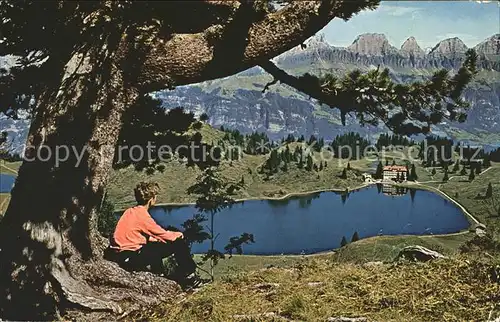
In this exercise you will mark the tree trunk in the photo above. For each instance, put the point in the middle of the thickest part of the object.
(50, 250)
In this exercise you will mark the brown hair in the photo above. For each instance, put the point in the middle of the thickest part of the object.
(144, 191)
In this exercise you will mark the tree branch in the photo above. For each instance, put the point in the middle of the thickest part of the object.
(187, 58)
(403, 108)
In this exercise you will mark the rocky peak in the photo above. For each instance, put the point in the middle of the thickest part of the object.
(490, 46)
(312, 45)
(411, 47)
(372, 44)
(318, 39)
(449, 47)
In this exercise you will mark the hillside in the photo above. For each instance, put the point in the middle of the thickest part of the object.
(319, 289)
(256, 185)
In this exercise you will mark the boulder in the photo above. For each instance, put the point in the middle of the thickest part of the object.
(269, 316)
(376, 264)
(480, 230)
(266, 286)
(418, 253)
(345, 319)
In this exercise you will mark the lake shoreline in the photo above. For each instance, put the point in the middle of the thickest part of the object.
(464, 229)
(288, 195)
(473, 220)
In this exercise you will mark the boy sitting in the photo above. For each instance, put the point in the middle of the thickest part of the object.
(139, 243)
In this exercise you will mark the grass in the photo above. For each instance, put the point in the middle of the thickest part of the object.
(373, 249)
(471, 195)
(4, 202)
(317, 288)
(257, 186)
(9, 167)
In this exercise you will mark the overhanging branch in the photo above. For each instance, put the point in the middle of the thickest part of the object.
(188, 58)
(313, 89)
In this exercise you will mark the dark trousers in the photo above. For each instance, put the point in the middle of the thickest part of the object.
(150, 258)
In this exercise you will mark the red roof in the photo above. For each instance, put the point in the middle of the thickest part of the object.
(399, 168)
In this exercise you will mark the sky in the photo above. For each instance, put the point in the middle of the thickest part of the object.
(428, 21)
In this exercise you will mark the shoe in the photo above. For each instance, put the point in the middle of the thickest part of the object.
(192, 282)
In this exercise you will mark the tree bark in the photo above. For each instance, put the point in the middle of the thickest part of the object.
(50, 248)
(190, 58)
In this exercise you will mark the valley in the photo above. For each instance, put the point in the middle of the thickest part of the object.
(175, 178)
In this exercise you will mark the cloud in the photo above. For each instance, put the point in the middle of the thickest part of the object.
(395, 11)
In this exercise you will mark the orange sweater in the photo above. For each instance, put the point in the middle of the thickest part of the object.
(133, 227)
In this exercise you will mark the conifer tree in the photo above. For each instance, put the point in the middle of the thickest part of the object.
(309, 166)
(486, 161)
(489, 191)
(471, 175)
(300, 165)
(288, 154)
(343, 242)
(355, 237)
(456, 167)
(414, 176)
(445, 178)
(344, 174)
(348, 166)
(463, 172)
(379, 173)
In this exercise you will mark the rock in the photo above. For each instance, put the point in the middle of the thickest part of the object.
(266, 286)
(449, 47)
(418, 253)
(479, 229)
(345, 319)
(315, 284)
(252, 317)
(411, 48)
(372, 44)
(490, 46)
(480, 226)
(373, 264)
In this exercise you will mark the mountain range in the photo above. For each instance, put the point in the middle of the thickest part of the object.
(238, 102)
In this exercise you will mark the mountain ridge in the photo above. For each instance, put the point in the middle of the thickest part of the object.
(238, 102)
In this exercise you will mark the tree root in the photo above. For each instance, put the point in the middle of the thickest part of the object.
(101, 289)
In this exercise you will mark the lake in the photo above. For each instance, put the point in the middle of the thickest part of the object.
(6, 182)
(317, 222)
